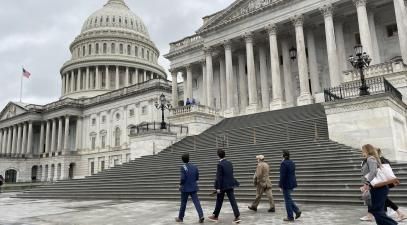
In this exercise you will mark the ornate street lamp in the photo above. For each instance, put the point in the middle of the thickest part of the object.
(163, 105)
(293, 53)
(361, 61)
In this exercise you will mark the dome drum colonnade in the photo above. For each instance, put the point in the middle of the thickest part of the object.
(114, 50)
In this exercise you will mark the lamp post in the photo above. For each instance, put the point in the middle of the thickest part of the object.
(163, 105)
(293, 53)
(361, 61)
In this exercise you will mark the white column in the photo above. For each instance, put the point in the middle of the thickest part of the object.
(78, 138)
(24, 141)
(229, 77)
(145, 76)
(66, 83)
(277, 102)
(60, 124)
(66, 135)
(242, 82)
(222, 79)
(305, 97)
(14, 143)
(47, 137)
(375, 43)
(288, 77)
(28, 150)
(87, 87)
(251, 75)
(72, 82)
(97, 77)
(340, 46)
(53, 135)
(265, 95)
(19, 133)
(174, 97)
(41, 144)
(136, 74)
(204, 80)
(209, 73)
(401, 18)
(1, 141)
(117, 77)
(188, 82)
(78, 80)
(364, 30)
(107, 78)
(127, 83)
(62, 86)
(313, 63)
(334, 76)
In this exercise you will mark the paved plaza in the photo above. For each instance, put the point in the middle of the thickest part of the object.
(64, 212)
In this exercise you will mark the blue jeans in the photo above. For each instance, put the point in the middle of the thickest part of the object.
(290, 205)
(195, 200)
(219, 201)
(379, 196)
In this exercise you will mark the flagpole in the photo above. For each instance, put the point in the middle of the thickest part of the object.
(21, 87)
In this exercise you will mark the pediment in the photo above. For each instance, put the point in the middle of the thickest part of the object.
(12, 109)
(238, 10)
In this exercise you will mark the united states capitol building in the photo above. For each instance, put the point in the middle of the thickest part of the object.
(253, 56)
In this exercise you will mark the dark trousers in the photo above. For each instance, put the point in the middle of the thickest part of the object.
(290, 205)
(391, 204)
(219, 201)
(379, 196)
(195, 200)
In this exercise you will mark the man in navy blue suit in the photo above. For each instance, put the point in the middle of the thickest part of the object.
(287, 184)
(225, 183)
(189, 187)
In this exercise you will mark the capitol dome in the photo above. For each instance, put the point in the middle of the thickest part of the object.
(115, 15)
(113, 51)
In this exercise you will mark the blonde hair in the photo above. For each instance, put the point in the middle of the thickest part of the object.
(372, 151)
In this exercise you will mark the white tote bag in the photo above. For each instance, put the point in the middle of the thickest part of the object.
(384, 176)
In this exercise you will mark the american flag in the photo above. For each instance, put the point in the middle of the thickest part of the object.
(26, 73)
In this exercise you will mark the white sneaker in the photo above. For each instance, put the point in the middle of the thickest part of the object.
(366, 218)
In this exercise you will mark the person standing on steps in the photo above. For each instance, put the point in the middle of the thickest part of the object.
(263, 184)
(225, 183)
(189, 187)
(287, 184)
(389, 203)
(379, 194)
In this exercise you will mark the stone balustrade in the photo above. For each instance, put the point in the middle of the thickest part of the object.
(194, 108)
(188, 41)
(376, 70)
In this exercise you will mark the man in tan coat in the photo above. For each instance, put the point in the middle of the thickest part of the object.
(262, 183)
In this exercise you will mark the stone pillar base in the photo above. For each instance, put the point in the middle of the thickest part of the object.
(229, 113)
(305, 99)
(151, 143)
(276, 104)
(251, 109)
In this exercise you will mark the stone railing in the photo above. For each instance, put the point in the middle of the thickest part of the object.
(193, 108)
(381, 69)
(188, 41)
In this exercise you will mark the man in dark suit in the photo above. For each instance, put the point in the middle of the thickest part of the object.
(189, 187)
(225, 183)
(287, 184)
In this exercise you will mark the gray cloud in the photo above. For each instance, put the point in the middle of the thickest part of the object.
(36, 34)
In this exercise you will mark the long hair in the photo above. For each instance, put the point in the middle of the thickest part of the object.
(372, 151)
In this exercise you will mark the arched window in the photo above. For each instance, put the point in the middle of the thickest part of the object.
(104, 48)
(114, 19)
(101, 21)
(90, 49)
(148, 55)
(97, 48)
(107, 19)
(128, 50)
(117, 133)
(120, 20)
(113, 49)
(136, 51)
(83, 50)
(121, 49)
(142, 53)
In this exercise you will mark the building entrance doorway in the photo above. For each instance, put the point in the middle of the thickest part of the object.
(11, 176)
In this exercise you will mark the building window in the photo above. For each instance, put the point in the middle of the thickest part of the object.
(392, 30)
(102, 165)
(114, 19)
(113, 50)
(131, 112)
(93, 122)
(128, 50)
(93, 142)
(357, 38)
(121, 48)
(117, 133)
(103, 119)
(148, 55)
(104, 48)
(90, 49)
(117, 116)
(83, 50)
(195, 83)
(144, 110)
(136, 51)
(142, 53)
(107, 19)
(92, 168)
(103, 141)
(97, 48)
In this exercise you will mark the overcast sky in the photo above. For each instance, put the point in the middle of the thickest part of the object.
(36, 34)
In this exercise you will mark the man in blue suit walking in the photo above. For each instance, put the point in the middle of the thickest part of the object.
(225, 183)
(189, 187)
(287, 184)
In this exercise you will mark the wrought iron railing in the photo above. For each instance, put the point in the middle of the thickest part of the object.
(144, 128)
(377, 85)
